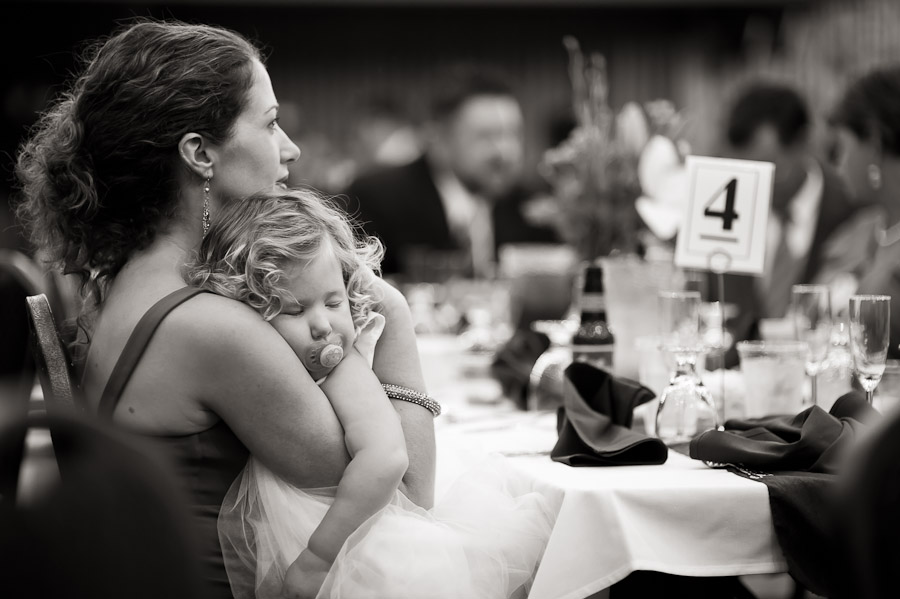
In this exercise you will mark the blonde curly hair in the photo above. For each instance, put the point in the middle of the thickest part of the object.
(252, 242)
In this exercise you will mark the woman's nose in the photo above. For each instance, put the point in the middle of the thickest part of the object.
(289, 150)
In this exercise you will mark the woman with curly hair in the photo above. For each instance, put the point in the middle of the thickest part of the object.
(166, 125)
(294, 259)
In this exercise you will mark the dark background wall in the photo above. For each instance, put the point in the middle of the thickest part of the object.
(325, 58)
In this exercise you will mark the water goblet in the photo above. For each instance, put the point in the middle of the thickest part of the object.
(870, 332)
(811, 313)
(686, 407)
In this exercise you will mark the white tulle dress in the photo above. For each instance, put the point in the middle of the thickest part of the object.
(483, 538)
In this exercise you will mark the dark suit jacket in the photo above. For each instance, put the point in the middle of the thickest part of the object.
(402, 206)
(834, 209)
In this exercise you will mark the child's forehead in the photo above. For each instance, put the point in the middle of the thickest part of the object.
(315, 276)
(322, 251)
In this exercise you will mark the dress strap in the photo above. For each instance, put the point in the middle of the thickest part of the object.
(137, 343)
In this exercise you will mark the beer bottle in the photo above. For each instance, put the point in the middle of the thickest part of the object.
(593, 342)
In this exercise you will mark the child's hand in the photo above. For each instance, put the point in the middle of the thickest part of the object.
(305, 576)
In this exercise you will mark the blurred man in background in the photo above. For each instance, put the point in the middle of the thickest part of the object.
(770, 122)
(447, 212)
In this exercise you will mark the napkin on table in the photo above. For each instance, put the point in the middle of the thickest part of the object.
(594, 422)
(812, 441)
(513, 363)
(805, 452)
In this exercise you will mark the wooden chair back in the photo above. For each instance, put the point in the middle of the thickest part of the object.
(51, 357)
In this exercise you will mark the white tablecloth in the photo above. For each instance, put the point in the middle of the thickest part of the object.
(681, 517)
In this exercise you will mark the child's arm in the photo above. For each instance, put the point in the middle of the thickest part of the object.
(377, 449)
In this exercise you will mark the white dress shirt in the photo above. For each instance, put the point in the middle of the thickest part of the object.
(469, 218)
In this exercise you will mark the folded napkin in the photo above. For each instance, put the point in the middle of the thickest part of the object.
(805, 452)
(513, 363)
(812, 441)
(594, 422)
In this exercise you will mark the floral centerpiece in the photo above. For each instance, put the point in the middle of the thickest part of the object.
(617, 174)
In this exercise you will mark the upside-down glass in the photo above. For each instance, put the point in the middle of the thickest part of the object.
(870, 332)
(686, 407)
(811, 313)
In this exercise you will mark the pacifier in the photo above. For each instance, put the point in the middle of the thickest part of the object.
(324, 355)
(330, 355)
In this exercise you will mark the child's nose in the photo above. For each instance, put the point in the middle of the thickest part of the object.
(319, 327)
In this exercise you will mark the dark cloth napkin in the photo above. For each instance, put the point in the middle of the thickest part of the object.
(812, 441)
(513, 363)
(595, 419)
(803, 455)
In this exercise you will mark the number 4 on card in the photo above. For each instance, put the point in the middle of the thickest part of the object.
(727, 214)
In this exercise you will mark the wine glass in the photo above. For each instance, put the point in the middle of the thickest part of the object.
(686, 406)
(870, 332)
(811, 312)
(546, 384)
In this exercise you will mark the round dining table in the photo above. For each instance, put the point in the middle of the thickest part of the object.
(681, 517)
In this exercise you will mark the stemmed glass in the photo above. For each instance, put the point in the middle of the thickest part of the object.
(870, 332)
(811, 311)
(686, 406)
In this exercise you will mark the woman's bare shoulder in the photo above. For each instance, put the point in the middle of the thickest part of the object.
(228, 352)
(215, 323)
(205, 308)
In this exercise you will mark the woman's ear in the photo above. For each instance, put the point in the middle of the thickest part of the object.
(194, 153)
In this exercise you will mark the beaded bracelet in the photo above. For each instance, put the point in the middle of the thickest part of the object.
(412, 396)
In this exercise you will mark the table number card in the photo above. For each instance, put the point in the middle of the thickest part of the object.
(728, 211)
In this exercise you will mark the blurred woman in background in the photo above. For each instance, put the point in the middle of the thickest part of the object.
(864, 255)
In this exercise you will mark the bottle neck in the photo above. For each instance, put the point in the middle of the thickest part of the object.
(593, 306)
(593, 315)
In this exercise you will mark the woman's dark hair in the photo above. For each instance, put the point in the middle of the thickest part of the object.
(870, 108)
(98, 174)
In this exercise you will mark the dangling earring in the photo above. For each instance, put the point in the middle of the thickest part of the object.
(206, 206)
(875, 177)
